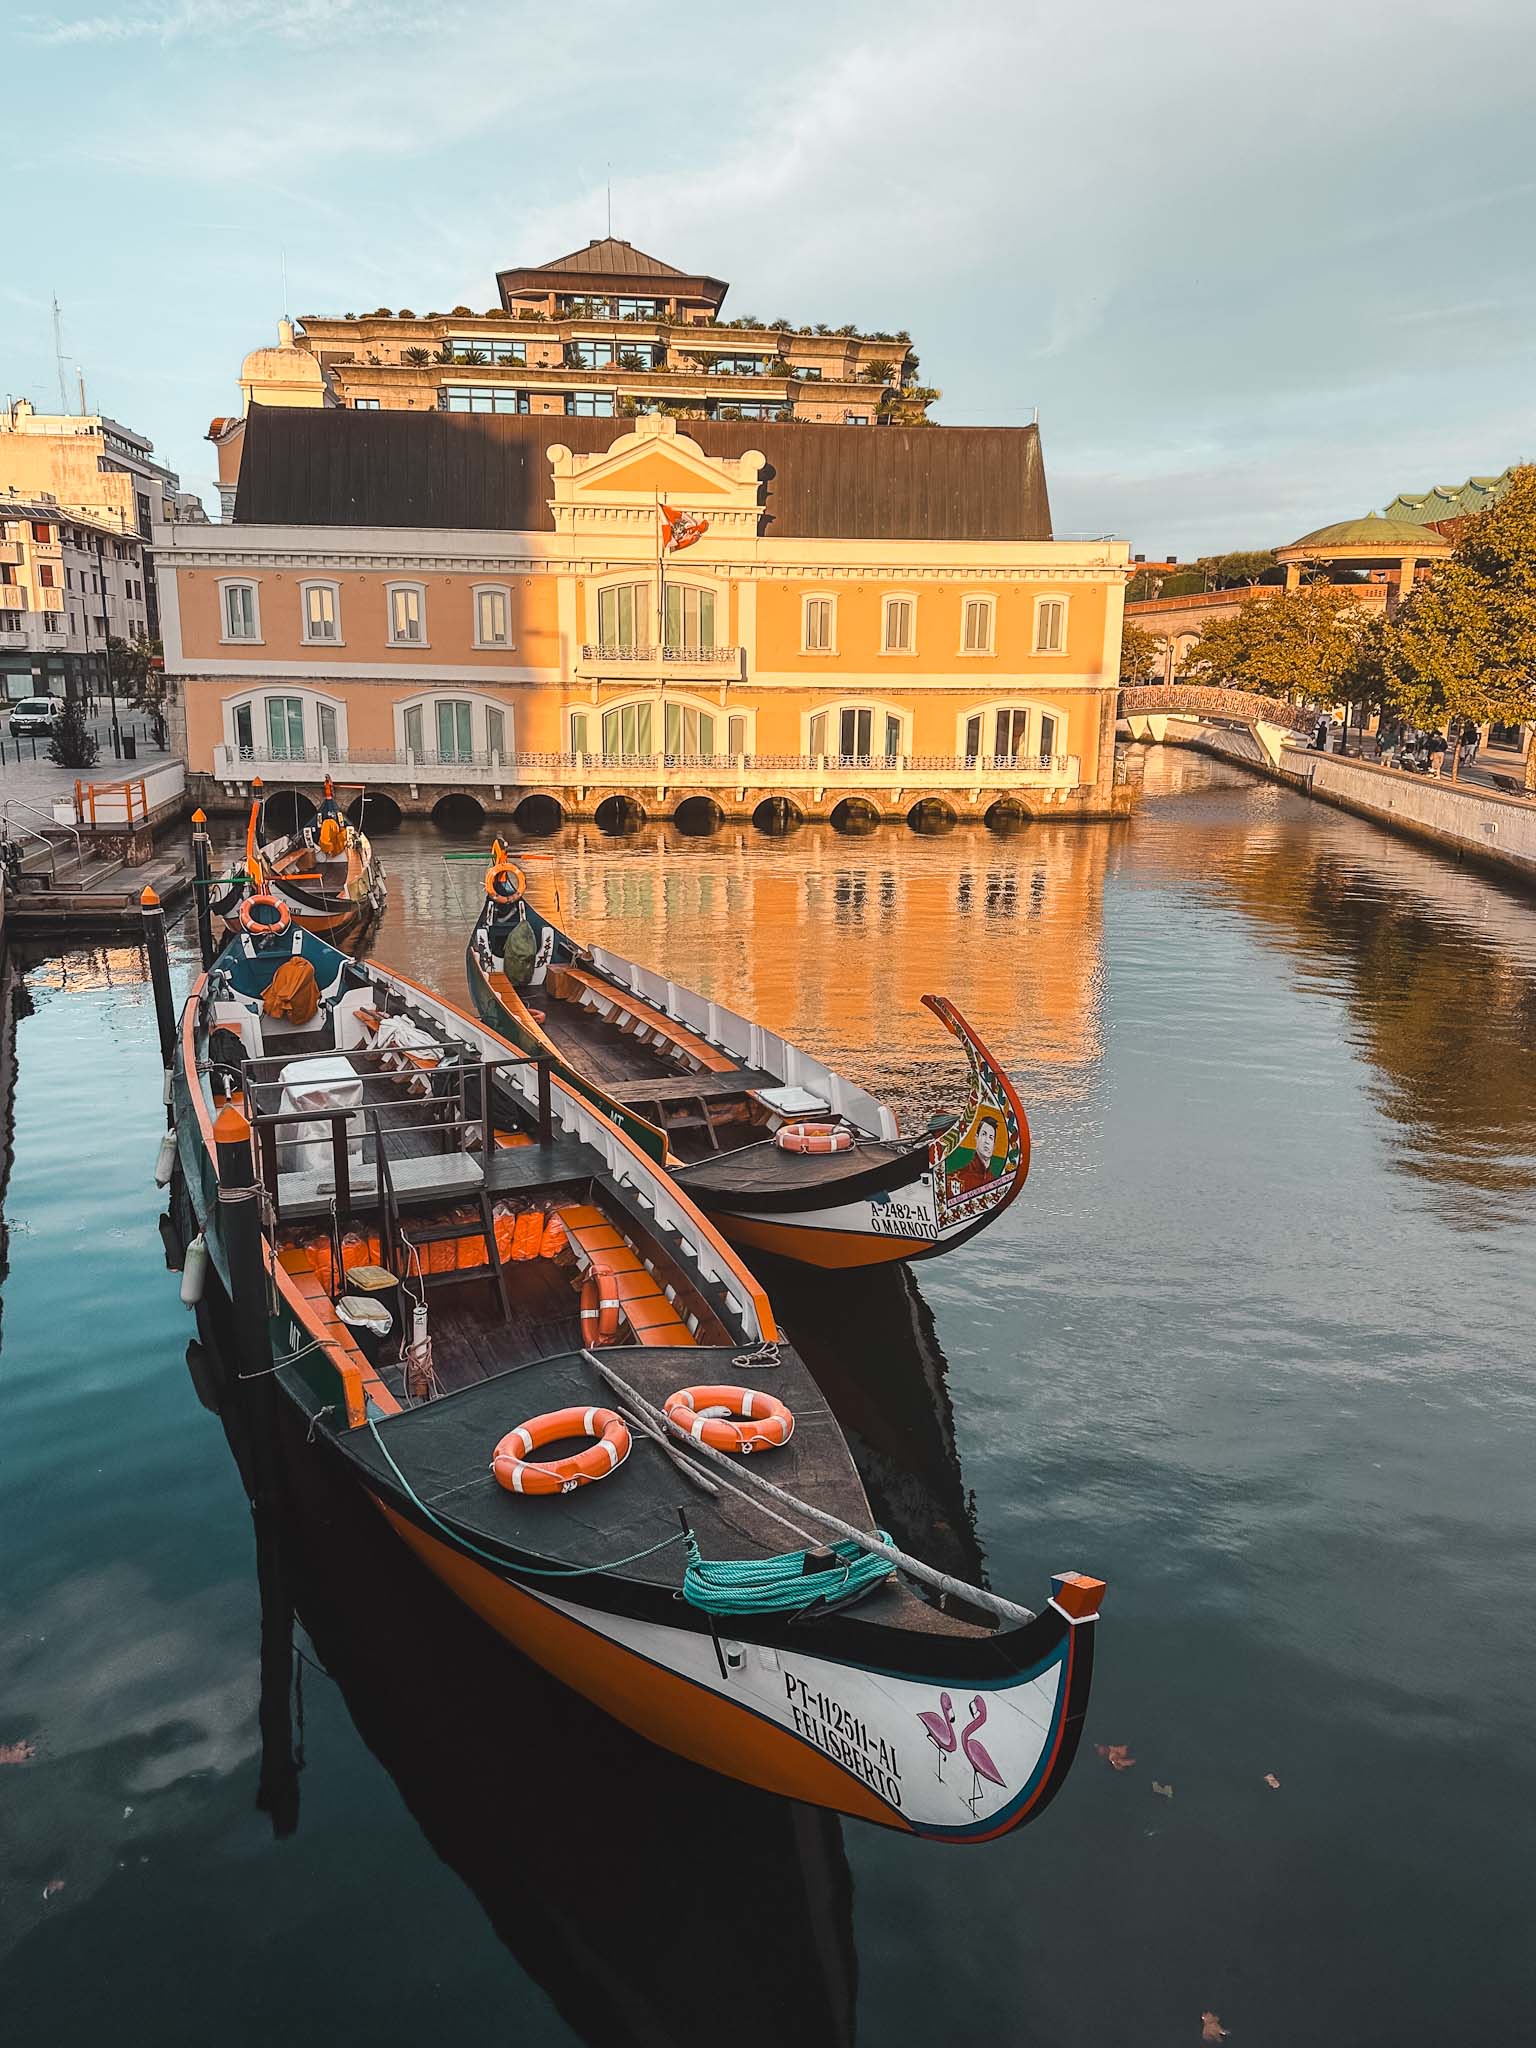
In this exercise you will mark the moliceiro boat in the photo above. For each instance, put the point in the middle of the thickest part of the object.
(456, 1268)
(326, 875)
(783, 1154)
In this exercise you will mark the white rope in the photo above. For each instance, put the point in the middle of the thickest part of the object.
(1005, 1610)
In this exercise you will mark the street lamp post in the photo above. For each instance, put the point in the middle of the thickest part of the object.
(106, 651)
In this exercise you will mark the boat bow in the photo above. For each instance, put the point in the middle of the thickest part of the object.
(980, 1162)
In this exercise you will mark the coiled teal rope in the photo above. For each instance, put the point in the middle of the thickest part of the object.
(780, 1585)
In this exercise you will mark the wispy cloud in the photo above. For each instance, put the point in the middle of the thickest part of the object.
(229, 21)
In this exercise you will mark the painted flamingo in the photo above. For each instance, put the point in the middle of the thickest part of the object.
(940, 1729)
(976, 1753)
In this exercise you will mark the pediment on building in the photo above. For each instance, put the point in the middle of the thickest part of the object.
(652, 461)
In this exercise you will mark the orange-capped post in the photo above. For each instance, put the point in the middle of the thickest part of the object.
(238, 1223)
(159, 976)
(202, 886)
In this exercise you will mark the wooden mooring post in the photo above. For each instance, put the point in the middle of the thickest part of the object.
(202, 868)
(159, 974)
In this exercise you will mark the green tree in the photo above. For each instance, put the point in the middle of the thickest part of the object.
(73, 744)
(1300, 644)
(137, 669)
(1138, 654)
(1463, 647)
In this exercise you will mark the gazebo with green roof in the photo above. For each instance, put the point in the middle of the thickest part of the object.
(1400, 545)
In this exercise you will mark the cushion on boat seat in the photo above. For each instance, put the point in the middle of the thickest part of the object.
(791, 1102)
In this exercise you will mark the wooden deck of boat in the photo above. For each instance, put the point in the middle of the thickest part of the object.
(444, 1449)
(596, 1047)
(762, 1169)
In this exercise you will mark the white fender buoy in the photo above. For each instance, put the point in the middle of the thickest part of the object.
(165, 1161)
(194, 1271)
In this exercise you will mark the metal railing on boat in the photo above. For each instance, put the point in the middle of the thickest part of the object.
(452, 1131)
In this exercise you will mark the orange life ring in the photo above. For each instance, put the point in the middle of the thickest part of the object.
(599, 1306)
(504, 871)
(813, 1138)
(263, 928)
(756, 1422)
(561, 1475)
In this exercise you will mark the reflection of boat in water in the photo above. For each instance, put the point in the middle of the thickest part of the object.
(805, 1672)
(869, 1339)
(783, 1154)
(602, 1863)
(326, 874)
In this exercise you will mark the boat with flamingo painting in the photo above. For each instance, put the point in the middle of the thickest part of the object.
(574, 1351)
(783, 1154)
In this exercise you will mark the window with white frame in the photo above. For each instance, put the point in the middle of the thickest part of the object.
(407, 615)
(690, 730)
(1050, 625)
(976, 625)
(493, 616)
(328, 741)
(321, 611)
(690, 619)
(819, 625)
(241, 619)
(623, 617)
(627, 731)
(245, 740)
(447, 729)
(857, 734)
(896, 635)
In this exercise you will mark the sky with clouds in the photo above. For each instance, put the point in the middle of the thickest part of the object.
(1257, 267)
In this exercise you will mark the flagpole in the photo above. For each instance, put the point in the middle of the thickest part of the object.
(661, 579)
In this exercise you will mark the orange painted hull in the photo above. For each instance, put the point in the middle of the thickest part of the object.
(658, 1704)
(833, 1250)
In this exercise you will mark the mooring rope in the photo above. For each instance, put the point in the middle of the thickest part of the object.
(783, 1584)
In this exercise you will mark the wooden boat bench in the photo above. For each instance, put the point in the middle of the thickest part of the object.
(648, 1309)
(630, 1013)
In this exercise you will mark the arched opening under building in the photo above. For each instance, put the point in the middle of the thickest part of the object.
(856, 816)
(777, 814)
(539, 815)
(285, 811)
(698, 816)
(375, 812)
(932, 816)
(618, 814)
(458, 815)
(1006, 815)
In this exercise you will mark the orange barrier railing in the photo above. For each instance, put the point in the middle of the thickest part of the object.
(131, 793)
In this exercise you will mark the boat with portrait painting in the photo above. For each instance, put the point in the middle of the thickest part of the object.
(786, 1156)
(570, 1399)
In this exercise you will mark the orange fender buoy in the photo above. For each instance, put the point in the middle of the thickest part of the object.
(510, 1464)
(599, 1306)
(754, 1422)
(813, 1138)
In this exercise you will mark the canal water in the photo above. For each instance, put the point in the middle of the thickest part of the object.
(1253, 1346)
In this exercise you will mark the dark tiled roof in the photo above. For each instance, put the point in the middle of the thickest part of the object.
(612, 258)
(316, 467)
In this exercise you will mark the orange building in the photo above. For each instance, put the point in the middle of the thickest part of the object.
(444, 605)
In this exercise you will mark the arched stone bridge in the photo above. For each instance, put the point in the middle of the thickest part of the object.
(1209, 700)
(1239, 724)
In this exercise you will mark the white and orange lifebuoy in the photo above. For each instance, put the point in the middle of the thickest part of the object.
(505, 883)
(813, 1138)
(600, 1306)
(735, 1419)
(263, 927)
(510, 1463)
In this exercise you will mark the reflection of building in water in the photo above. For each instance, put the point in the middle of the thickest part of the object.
(1436, 966)
(15, 1003)
(832, 940)
(622, 1879)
